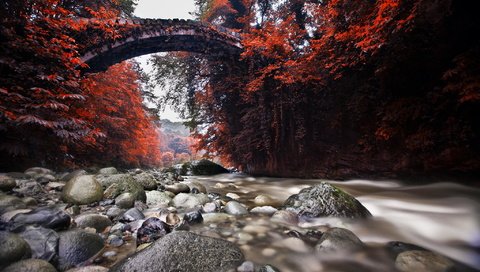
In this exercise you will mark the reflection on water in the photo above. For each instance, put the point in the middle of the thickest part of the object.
(443, 217)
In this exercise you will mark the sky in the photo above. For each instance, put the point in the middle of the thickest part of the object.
(163, 9)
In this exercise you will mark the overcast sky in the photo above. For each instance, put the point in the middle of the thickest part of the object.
(164, 9)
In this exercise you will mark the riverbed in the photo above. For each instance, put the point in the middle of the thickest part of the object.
(443, 217)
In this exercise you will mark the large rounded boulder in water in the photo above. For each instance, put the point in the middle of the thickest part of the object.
(324, 200)
(200, 168)
(82, 190)
(184, 251)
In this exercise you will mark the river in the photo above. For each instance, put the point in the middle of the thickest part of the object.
(443, 217)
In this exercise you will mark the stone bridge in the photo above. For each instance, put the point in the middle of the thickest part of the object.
(158, 35)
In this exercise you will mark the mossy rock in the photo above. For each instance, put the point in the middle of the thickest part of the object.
(324, 200)
(126, 186)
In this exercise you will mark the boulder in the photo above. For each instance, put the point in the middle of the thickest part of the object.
(14, 248)
(184, 251)
(82, 190)
(30, 265)
(43, 242)
(96, 221)
(7, 183)
(324, 200)
(147, 180)
(201, 168)
(338, 240)
(126, 186)
(77, 246)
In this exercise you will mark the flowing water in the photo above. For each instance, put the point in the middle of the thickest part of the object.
(443, 217)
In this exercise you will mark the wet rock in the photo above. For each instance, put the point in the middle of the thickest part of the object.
(246, 267)
(264, 210)
(71, 175)
(77, 246)
(108, 171)
(9, 203)
(30, 265)
(293, 244)
(13, 248)
(189, 201)
(43, 242)
(96, 221)
(264, 200)
(48, 217)
(147, 180)
(325, 200)
(132, 214)
(286, 217)
(235, 208)
(91, 268)
(7, 183)
(126, 186)
(177, 188)
(268, 268)
(338, 240)
(45, 179)
(82, 190)
(194, 217)
(421, 260)
(184, 251)
(125, 200)
(151, 230)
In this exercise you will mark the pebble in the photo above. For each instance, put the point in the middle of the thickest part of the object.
(115, 241)
(178, 188)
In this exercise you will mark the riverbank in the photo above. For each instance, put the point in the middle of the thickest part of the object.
(232, 222)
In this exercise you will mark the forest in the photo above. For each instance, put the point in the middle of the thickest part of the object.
(332, 88)
(314, 136)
